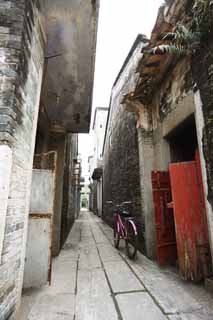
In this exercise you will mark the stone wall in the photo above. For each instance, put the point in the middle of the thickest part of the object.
(21, 60)
(121, 179)
(194, 74)
(202, 68)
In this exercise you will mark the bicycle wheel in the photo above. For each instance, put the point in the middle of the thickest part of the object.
(116, 237)
(131, 241)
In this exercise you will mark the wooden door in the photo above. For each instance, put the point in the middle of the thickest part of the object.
(190, 220)
(164, 218)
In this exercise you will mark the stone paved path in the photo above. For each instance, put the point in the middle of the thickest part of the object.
(93, 281)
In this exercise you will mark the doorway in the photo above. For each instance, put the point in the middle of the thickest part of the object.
(180, 212)
(183, 141)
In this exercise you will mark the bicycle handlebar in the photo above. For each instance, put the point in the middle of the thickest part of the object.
(119, 205)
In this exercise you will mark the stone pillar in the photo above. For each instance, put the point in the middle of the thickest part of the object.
(146, 159)
(200, 125)
(58, 144)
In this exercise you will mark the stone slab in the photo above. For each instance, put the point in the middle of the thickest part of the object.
(87, 241)
(64, 265)
(59, 307)
(174, 295)
(100, 237)
(89, 258)
(196, 315)
(94, 301)
(209, 284)
(108, 253)
(63, 283)
(121, 278)
(139, 306)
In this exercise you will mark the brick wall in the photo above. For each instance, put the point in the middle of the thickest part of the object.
(21, 61)
(121, 178)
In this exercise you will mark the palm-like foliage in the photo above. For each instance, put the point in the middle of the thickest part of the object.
(186, 40)
(168, 48)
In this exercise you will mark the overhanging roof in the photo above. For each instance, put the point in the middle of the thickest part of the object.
(70, 56)
(154, 66)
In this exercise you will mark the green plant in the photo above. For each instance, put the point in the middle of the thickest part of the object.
(84, 202)
(187, 40)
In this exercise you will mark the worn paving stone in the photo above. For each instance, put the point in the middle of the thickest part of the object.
(108, 253)
(94, 301)
(107, 231)
(198, 315)
(29, 297)
(68, 259)
(87, 241)
(63, 283)
(99, 236)
(173, 294)
(74, 246)
(89, 258)
(86, 232)
(121, 278)
(64, 265)
(48, 307)
(139, 306)
(180, 300)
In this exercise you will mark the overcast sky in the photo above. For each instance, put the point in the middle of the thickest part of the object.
(120, 21)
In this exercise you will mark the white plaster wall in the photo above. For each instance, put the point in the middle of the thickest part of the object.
(99, 131)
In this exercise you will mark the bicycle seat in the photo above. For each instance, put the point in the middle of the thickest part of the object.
(125, 214)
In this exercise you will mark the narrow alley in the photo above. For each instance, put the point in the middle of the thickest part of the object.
(106, 121)
(92, 280)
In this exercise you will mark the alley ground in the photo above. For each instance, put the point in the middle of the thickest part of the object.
(91, 280)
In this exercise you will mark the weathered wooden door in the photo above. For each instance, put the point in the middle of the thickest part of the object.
(38, 262)
(190, 220)
(164, 218)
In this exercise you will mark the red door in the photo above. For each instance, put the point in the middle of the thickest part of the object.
(164, 218)
(190, 220)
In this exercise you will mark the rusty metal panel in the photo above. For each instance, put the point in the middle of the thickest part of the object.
(45, 161)
(38, 263)
(164, 219)
(38, 251)
(42, 191)
(190, 219)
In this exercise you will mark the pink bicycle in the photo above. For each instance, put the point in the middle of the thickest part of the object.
(125, 228)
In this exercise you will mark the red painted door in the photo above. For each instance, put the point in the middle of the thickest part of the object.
(164, 218)
(190, 220)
